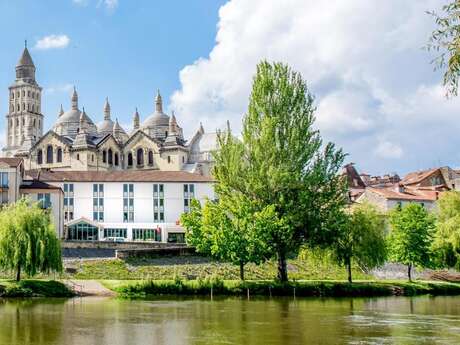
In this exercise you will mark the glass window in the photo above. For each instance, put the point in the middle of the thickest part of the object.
(44, 200)
(68, 201)
(128, 202)
(98, 202)
(158, 202)
(189, 194)
(4, 180)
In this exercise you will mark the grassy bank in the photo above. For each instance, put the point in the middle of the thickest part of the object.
(34, 288)
(196, 267)
(143, 289)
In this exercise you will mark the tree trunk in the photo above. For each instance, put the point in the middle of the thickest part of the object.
(241, 270)
(282, 267)
(409, 268)
(18, 273)
(349, 270)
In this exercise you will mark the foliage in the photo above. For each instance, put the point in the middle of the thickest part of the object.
(193, 223)
(445, 41)
(411, 235)
(28, 241)
(446, 242)
(270, 288)
(34, 288)
(362, 239)
(280, 166)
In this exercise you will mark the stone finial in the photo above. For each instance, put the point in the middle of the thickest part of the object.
(74, 99)
(81, 125)
(107, 109)
(172, 124)
(61, 111)
(201, 127)
(158, 102)
(136, 120)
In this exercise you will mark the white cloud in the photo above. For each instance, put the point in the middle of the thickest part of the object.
(81, 2)
(109, 5)
(52, 42)
(363, 61)
(387, 149)
(61, 88)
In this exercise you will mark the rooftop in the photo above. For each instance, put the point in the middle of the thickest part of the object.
(117, 176)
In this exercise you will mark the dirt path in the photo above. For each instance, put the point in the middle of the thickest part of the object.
(88, 288)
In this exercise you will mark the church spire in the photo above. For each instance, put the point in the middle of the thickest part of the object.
(25, 68)
(107, 109)
(158, 103)
(74, 99)
(136, 120)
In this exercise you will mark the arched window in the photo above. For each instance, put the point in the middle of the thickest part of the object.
(104, 156)
(59, 155)
(34, 122)
(18, 107)
(23, 106)
(92, 158)
(78, 156)
(39, 156)
(110, 158)
(130, 159)
(49, 154)
(116, 159)
(169, 159)
(150, 158)
(140, 157)
(23, 122)
(33, 108)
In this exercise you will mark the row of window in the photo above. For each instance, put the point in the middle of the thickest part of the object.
(128, 201)
(24, 122)
(49, 155)
(29, 94)
(30, 107)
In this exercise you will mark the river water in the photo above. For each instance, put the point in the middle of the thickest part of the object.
(101, 321)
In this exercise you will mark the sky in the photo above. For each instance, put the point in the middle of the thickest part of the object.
(376, 93)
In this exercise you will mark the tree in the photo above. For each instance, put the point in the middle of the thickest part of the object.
(229, 231)
(446, 242)
(281, 162)
(28, 241)
(411, 236)
(362, 238)
(445, 40)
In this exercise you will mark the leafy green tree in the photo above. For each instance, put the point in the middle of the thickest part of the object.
(411, 236)
(362, 239)
(28, 241)
(228, 230)
(281, 162)
(445, 41)
(446, 242)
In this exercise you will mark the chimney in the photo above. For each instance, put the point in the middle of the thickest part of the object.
(399, 188)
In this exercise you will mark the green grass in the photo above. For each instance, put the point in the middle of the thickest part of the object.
(136, 289)
(34, 288)
(195, 267)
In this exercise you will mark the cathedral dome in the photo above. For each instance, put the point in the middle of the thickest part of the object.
(158, 118)
(105, 127)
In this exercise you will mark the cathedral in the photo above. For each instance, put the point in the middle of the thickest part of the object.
(76, 143)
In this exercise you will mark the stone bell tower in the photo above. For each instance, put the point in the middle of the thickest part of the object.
(24, 119)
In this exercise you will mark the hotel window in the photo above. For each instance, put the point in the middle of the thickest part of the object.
(4, 180)
(98, 202)
(44, 200)
(4, 197)
(158, 203)
(189, 194)
(147, 234)
(115, 233)
(68, 202)
(128, 202)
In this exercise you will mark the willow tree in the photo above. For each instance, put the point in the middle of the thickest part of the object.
(282, 163)
(28, 242)
(362, 239)
(445, 42)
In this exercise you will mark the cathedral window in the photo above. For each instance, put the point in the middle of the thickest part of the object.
(34, 122)
(104, 156)
(49, 154)
(28, 93)
(23, 122)
(78, 156)
(110, 156)
(23, 93)
(140, 157)
(150, 158)
(59, 155)
(33, 108)
(18, 107)
(23, 106)
(130, 159)
(116, 159)
(92, 158)
(39, 156)
(12, 95)
(169, 159)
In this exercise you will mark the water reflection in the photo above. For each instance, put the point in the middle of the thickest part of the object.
(421, 320)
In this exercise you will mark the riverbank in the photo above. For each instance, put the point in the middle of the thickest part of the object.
(34, 288)
(144, 289)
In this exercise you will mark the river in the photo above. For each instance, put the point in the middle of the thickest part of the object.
(105, 321)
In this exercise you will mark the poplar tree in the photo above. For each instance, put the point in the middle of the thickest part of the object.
(28, 242)
(282, 163)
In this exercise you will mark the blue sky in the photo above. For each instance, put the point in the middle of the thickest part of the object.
(125, 53)
(375, 90)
